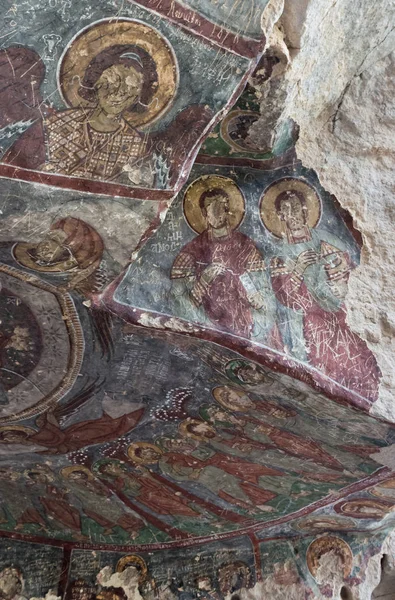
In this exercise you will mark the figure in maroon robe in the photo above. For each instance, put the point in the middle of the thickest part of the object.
(245, 477)
(146, 490)
(54, 500)
(220, 272)
(98, 143)
(309, 278)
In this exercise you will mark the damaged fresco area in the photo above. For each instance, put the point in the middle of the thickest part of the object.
(128, 436)
(305, 568)
(117, 99)
(231, 141)
(261, 260)
(183, 405)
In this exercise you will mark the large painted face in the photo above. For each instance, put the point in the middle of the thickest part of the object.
(217, 212)
(118, 88)
(10, 583)
(291, 211)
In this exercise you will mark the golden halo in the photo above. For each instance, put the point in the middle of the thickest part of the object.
(23, 256)
(383, 489)
(268, 211)
(40, 469)
(325, 544)
(192, 210)
(233, 143)
(66, 471)
(229, 404)
(183, 429)
(138, 459)
(109, 32)
(132, 560)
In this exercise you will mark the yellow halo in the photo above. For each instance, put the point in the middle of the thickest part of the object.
(268, 211)
(239, 146)
(325, 544)
(138, 459)
(132, 560)
(192, 210)
(66, 471)
(109, 32)
(379, 508)
(183, 429)
(384, 489)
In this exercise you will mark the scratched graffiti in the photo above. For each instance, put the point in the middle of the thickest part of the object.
(117, 96)
(264, 256)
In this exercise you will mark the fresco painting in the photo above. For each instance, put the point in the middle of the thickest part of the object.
(301, 568)
(115, 99)
(262, 257)
(29, 570)
(183, 405)
(227, 446)
(143, 437)
(231, 142)
(219, 570)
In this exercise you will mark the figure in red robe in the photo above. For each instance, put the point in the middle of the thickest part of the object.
(309, 278)
(219, 276)
(54, 500)
(146, 490)
(243, 480)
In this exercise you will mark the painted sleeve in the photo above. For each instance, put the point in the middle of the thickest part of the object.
(289, 287)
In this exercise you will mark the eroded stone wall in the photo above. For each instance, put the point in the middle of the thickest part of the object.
(340, 92)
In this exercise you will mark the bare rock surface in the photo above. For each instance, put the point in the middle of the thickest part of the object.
(340, 90)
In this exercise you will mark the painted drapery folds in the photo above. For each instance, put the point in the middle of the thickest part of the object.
(117, 99)
(264, 256)
(148, 438)
(183, 405)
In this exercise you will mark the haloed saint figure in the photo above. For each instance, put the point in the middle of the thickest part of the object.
(309, 276)
(100, 143)
(116, 77)
(219, 277)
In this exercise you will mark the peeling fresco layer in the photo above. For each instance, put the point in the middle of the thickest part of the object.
(305, 568)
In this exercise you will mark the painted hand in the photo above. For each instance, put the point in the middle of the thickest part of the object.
(304, 260)
(257, 300)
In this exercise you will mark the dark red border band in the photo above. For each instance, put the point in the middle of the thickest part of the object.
(198, 25)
